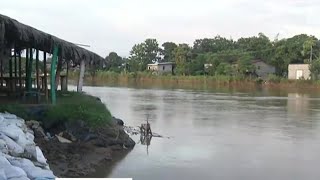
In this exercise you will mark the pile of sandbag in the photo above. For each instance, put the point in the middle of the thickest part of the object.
(20, 158)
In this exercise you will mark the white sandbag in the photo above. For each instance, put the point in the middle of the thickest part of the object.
(11, 131)
(14, 172)
(3, 175)
(3, 147)
(9, 116)
(20, 162)
(19, 178)
(36, 172)
(23, 141)
(4, 162)
(13, 147)
(36, 152)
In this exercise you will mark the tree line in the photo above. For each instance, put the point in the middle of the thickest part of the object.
(221, 53)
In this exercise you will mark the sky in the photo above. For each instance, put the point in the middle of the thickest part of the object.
(116, 25)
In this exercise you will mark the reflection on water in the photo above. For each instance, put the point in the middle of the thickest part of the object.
(146, 141)
(218, 135)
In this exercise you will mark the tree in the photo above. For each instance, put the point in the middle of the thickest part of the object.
(260, 47)
(113, 62)
(315, 69)
(245, 65)
(214, 45)
(143, 54)
(182, 57)
(167, 51)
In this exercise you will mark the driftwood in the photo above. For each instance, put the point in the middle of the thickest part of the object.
(145, 129)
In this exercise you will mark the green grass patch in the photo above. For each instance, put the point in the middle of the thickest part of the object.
(71, 106)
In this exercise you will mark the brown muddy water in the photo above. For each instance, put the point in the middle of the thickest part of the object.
(218, 135)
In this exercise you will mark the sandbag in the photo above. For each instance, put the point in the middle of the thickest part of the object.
(20, 162)
(14, 172)
(4, 162)
(2, 175)
(11, 131)
(8, 116)
(36, 172)
(13, 147)
(3, 147)
(19, 178)
(36, 152)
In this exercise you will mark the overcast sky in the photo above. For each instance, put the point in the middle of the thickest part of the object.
(116, 25)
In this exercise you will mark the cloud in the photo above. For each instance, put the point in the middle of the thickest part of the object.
(116, 25)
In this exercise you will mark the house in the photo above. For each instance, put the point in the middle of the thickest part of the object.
(163, 67)
(299, 71)
(263, 69)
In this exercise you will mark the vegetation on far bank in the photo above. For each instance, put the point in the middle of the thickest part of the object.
(71, 106)
(149, 80)
(228, 57)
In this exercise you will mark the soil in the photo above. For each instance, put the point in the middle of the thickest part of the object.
(90, 148)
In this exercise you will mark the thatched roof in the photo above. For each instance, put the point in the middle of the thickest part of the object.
(14, 34)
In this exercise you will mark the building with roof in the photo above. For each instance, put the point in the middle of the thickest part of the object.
(160, 68)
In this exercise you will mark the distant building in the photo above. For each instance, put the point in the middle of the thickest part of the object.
(299, 71)
(164, 67)
(263, 69)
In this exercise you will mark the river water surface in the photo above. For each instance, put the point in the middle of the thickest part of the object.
(214, 135)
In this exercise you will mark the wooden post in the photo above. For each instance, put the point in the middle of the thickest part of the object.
(58, 71)
(45, 76)
(10, 72)
(15, 68)
(67, 75)
(52, 75)
(1, 66)
(20, 71)
(81, 75)
(29, 71)
(37, 69)
(26, 68)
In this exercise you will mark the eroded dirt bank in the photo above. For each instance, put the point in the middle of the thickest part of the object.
(74, 150)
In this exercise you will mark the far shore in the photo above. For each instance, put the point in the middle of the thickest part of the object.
(222, 83)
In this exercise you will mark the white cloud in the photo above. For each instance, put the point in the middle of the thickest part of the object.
(116, 25)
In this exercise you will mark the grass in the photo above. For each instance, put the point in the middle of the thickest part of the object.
(71, 106)
(149, 80)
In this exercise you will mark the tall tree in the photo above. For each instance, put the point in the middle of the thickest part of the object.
(260, 46)
(144, 53)
(214, 45)
(167, 51)
(182, 56)
(113, 62)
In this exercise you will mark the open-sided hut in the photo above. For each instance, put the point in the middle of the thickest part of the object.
(16, 38)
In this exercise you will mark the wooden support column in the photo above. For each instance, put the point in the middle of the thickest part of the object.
(20, 71)
(59, 67)
(52, 75)
(81, 75)
(15, 68)
(10, 72)
(67, 75)
(37, 70)
(45, 76)
(26, 69)
(29, 71)
(1, 66)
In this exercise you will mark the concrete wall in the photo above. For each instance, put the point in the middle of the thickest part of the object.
(294, 68)
(161, 68)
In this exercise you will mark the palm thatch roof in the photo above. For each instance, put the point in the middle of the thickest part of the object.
(14, 34)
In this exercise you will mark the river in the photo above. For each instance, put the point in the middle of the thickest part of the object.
(217, 135)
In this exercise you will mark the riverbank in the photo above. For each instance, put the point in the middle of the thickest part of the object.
(76, 135)
(147, 80)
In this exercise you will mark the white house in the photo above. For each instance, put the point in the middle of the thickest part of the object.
(299, 71)
(163, 67)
